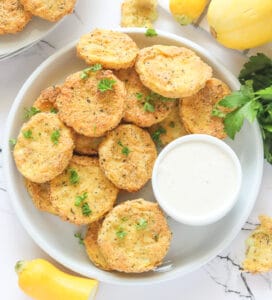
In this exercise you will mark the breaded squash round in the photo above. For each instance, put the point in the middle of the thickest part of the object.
(142, 106)
(46, 101)
(127, 155)
(82, 194)
(111, 49)
(135, 15)
(40, 195)
(13, 16)
(44, 148)
(259, 247)
(92, 248)
(196, 111)
(91, 104)
(51, 10)
(172, 71)
(134, 236)
(169, 129)
(86, 145)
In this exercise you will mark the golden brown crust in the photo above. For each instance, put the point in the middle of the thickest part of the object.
(92, 248)
(51, 10)
(171, 128)
(134, 107)
(100, 192)
(172, 71)
(86, 109)
(196, 111)
(127, 155)
(259, 247)
(134, 236)
(86, 145)
(37, 157)
(40, 195)
(46, 101)
(13, 16)
(111, 49)
(133, 14)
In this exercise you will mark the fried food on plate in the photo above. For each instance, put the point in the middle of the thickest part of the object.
(44, 148)
(92, 247)
(127, 155)
(168, 129)
(134, 236)
(86, 145)
(46, 101)
(40, 195)
(142, 106)
(82, 194)
(172, 71)
(135, 13)
(111, 49)
(51, 10)
(259, 247)
(13, 16)
(196, 111)
(92, 103)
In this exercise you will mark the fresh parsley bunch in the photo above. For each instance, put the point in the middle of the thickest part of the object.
(253, 100)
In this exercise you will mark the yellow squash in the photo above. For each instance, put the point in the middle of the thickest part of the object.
(241, 24)
(187, 11)
(42, 281)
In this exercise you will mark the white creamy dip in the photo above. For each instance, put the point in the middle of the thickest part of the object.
(197, 179)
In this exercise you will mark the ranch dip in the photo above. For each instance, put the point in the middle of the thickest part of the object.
(197, 179)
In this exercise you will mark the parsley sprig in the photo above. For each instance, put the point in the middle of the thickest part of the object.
(30, 112)
(156, 135)
(125, 150)
(94, 68)
(252, 101)
(106, 84)
(80, 202)
(55, 137)
(121, 233)
(74, 177)
(150, 32)
(79, 237)
(141, 224)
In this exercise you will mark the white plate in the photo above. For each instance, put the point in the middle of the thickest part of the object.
(35, 30)
(191, 247)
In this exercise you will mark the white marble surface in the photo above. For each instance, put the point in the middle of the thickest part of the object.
(222, 278)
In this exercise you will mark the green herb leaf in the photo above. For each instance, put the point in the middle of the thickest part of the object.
(55, 137)
(80, 238)
(53, 110)
(27, 134)
(156, 136)
(12, 142)
(141, 224)
(139, 96)
(30, 112)
(94, 68)
(74, 178)
(86, 211)
(149, 107)
(151, 32)
(106, 84)
(120, 233)
(125, 150)
(81, 198)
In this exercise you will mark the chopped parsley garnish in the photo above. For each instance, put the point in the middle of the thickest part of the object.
(81, 198)
(55, 137)
(151, 32)
(30, 112)
(149, 107)
(12, 142)
(106, 84)
(125, 150)
(53, 110)
(80, 238)
(252, 101)
(74, 178)
(156, 136)
(141, 224)
(139, 96)
(94, 68)
(86, 211)
(172, 124)
(27, 134)
(120, 233)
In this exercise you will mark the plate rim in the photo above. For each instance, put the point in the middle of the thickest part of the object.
(100, 275)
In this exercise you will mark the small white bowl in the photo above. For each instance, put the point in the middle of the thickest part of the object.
(197, 179)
